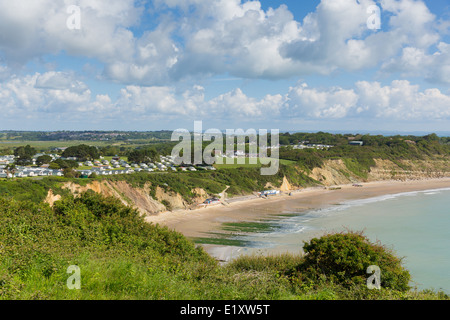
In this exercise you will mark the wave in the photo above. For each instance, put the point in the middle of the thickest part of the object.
(300, 222)
(315, 213)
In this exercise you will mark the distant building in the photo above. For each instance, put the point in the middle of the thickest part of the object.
(268, 193)
(356, 143)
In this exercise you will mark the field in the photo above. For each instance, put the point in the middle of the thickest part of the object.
(247, 163)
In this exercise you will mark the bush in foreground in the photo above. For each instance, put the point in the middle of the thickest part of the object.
(343, 258)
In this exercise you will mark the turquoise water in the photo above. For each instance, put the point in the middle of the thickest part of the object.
(415, 225)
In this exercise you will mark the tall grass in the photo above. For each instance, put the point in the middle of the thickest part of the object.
(122, 257)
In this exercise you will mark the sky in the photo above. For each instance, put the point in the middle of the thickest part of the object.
(137, 65)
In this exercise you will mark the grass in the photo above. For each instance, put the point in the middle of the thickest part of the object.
(247, 163)
(121, 257)
(47, 145)
(356, 168)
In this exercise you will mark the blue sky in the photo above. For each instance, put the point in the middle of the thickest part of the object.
(288, 65)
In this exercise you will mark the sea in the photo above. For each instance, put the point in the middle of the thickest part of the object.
(414, 225)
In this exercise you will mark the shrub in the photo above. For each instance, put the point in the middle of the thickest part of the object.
(167, 204)
(344, 258)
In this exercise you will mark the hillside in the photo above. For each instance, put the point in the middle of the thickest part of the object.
(98, 225)
(345, 171)
(151, 194)
(119, 256)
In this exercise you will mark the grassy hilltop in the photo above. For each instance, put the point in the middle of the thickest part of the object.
(122, 257)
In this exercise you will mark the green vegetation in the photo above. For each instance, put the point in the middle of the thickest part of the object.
(82, 152)
(247, 227)
(122, 257)
(34, 190)
(44, 159)
(359, 159)
(143, 155)
(148, 146)
(63, 164)
(24, 154)
(235, 163)
(344, 259)
(242, 181)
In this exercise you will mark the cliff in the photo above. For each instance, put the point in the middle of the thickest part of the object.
(139, 198)
(151, 200)
(336, 172)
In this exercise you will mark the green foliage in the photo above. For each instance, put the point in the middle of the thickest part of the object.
(122, 257)
(64, 164)
(361, 159)
(242, 181)
(24, 154)
(54, 166)
(82, 152)
(307, 158)
(344, 258)
(167, 204)
(102, 236)
(145, 155)
(44, 159)
(29, 189)
(70, 173)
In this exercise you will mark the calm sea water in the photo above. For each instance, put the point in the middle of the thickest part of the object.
(415, 225)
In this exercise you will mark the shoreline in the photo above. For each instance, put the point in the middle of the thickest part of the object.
(200, 222)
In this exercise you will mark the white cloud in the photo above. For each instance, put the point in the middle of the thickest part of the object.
(41, 94)
(415, 62)
(220, 36)
(236, 104)
(334, 103)
(31, 28)
(62, 95)
(402, 101)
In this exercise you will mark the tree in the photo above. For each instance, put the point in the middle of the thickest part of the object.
(82, 152)
(63, 164)
(45, 159)
(54, 166)
(143, 155)
(70, 173)
(24, 154)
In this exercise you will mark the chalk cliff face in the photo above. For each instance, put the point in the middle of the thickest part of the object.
(138, 198)
(334, 172)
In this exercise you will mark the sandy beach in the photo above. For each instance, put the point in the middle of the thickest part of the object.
(200, 222)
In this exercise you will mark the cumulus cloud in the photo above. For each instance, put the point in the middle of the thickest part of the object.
(61, 94)
(334, 103)
(38, 95)
(31, 28)
(416, 62)
(341, 40)
(191, 38)
(402, 101)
